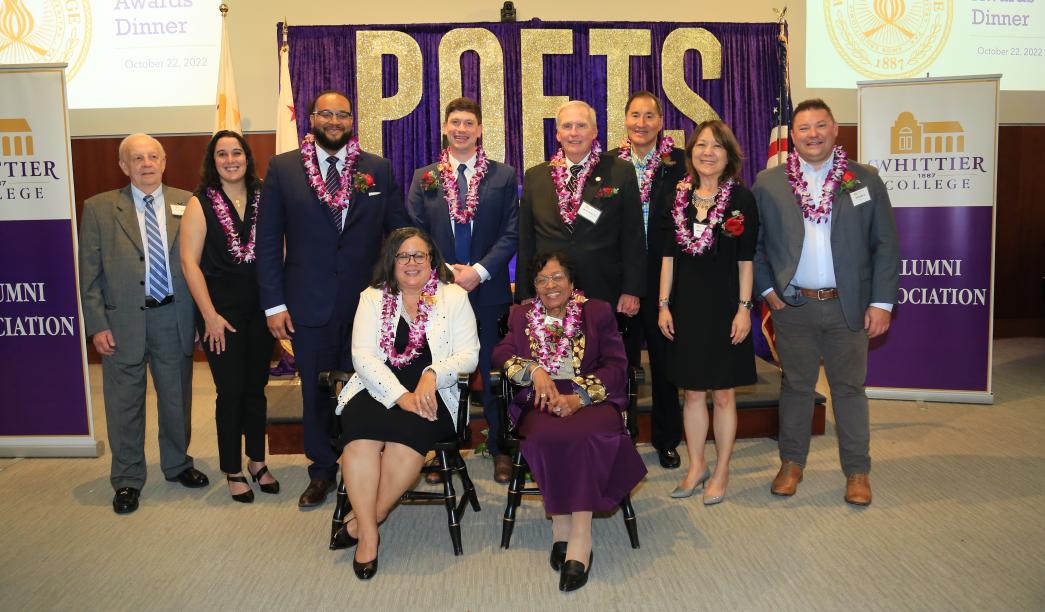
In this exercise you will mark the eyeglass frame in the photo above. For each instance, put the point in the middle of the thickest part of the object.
(328, 115)
(405, 258)
(542, 281)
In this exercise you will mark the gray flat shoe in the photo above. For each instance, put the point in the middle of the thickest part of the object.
(682, 492)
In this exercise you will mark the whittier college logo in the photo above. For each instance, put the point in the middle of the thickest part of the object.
(884, 39)
(45, 31)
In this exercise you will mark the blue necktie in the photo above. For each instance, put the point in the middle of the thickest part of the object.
(333, 184)
(462, 231)
(156, 283)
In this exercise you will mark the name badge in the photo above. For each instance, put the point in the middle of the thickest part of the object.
(698, 229)
(177, 209)
(860, 196)
(589, 212)
(373, 193)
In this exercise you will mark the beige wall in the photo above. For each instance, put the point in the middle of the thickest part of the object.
(252, 34)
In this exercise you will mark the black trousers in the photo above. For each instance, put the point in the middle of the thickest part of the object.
(666, 414)
(240, 374)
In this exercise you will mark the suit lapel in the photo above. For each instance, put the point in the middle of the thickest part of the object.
(127, 217)
(173, 223)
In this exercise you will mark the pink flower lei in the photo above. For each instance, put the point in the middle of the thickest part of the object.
(551, 356)
(569, 203)
(448, 177)
(389, 321)
(646, 185)
(695, 245)
(343, 197)
(817, 213)
(240, 252)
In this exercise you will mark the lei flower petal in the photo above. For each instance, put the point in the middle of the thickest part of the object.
(662, 155)
(448, 179)
(343, 198)
(241, 253)
(549, 352)
(817, 213)
(695, 245)
(389, 306)
(570, 203)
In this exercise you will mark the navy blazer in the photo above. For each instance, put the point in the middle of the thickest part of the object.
(495, 228)
(323, 270)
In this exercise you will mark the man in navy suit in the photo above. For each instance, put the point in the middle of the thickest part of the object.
(469, 204)
(331, 204)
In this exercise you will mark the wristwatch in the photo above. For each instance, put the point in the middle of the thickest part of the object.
(663, 303)
(747, 304)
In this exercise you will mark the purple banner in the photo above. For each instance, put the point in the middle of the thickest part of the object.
(940, 334)
(40, 344)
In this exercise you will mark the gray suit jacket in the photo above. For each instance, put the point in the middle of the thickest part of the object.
(864, 245)
(112, 272)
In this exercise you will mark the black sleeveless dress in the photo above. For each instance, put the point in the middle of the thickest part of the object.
(364, 418)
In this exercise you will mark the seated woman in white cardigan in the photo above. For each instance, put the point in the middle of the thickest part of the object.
(413, 333)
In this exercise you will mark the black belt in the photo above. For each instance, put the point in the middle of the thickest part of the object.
(152, 303)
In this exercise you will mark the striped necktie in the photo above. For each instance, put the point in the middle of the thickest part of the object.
(333, 185)
(156, 284)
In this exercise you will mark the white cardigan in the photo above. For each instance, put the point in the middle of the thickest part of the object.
(452, 338)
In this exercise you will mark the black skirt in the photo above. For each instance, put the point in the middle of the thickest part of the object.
(364, 418)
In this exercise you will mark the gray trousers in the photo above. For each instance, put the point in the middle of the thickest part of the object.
(123, 386)
(804, 335)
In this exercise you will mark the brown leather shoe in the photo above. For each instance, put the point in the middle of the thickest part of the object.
(858, 490)
(502, 469)
(315, 493)
(787, 479)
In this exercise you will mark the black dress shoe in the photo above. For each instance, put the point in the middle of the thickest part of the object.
(272, 487)
(246, 497)
(558, 556)
(316, 492)
(669, 458)
(574, 574)
(341, 538)
(366, 571)
(126, 500)
(191, 478)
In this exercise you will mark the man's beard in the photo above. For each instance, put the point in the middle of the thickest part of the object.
(327, 143)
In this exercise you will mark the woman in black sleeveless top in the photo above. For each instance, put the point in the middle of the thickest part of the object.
(217, 257)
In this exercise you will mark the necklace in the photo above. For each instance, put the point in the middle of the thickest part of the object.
(342, 198)
(816, 212)
(462, 212)
(549, 346)
(239, 251)
(417, 327)
(695, 245)
(570, 202)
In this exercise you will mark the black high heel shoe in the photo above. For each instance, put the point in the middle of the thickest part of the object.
(342, 539)
(558, 556)
(574, 574)
(247, 497)
(366, 571)
(272, 487)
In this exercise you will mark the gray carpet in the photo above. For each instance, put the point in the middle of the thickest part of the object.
(957, 523)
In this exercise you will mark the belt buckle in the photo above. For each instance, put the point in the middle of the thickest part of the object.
(819, 295)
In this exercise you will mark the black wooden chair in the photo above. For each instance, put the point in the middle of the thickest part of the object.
(451, 463)
(517, 488)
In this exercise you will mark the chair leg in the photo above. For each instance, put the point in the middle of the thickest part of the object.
(450, 498)
(341, 508)
(466, 481)
(515, 487)
(628, 512)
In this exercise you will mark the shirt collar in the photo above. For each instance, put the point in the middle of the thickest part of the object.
(580, 163)
(470, 162)
(642, 161)
(139, 196)
(808, 169)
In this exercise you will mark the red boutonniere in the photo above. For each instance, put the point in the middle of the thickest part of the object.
(665, 158)
(607, 192)
(849, 181)
(430, 181)
(734, 225)
(362, 181)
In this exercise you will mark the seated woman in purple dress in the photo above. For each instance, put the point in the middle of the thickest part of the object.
(414, 332)
(566, 349)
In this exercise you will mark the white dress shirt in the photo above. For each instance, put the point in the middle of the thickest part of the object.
(160, 206)
(469, 172)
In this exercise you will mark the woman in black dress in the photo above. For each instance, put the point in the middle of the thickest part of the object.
(217, 257)
(414, 332)
(705, 299)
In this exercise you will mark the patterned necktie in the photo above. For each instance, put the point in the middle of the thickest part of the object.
(462, 231)
(575, 171)
(333, 185)
(157, 287)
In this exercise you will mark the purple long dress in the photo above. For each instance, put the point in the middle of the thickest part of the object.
(584, 462)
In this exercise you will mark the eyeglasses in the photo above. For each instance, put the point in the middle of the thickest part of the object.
(327, 115)
(556, 278)
(416, 257)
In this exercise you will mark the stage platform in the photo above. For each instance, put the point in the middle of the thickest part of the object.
(756, 411)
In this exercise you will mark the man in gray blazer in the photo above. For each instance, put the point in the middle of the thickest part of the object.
(138, 310)
(828, 265)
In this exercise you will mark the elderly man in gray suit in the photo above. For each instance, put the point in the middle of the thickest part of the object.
(827, 263)
(138, 310)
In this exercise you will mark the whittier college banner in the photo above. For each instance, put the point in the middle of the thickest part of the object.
(934, 142)
(46, 407)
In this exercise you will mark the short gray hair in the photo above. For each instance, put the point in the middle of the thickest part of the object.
(582, 104)
(123, 144)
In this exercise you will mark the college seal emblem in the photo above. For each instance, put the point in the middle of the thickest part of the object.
(45, 31)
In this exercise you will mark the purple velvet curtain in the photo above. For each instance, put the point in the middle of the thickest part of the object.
(324, 57)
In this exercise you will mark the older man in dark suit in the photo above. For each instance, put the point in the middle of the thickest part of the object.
(331, 204)
(469, 205)
(659, 166)
(827, 263)
(138, 312)
(588, 205)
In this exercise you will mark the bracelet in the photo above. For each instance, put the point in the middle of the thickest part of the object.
(747, 304)
(663, 303)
